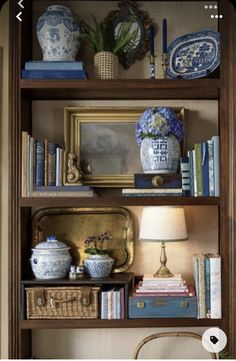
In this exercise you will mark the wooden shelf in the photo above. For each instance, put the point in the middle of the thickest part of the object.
(118, 201)
(121, 89)
(131, 323)
(115, 278)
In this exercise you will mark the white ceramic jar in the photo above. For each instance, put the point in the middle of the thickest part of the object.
(57, 32)
(50, 259)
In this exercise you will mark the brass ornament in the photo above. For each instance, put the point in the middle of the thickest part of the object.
(157, 181)
(74, 174)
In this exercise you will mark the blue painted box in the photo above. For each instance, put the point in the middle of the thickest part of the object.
(162, 307)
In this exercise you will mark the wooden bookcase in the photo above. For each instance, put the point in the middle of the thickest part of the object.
(23, 92)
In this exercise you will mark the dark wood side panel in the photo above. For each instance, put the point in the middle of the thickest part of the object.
(228, 138)
(20, 35)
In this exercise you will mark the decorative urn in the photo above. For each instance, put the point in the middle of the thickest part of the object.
(50, 259)
(159, 131)
(57, 32)
(98, 265)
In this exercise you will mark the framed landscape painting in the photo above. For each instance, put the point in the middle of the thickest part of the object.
(104, 141)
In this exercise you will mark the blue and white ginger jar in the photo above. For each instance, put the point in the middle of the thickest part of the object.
(50, 259)
(98, 265)
(160, 155)
(57, 32)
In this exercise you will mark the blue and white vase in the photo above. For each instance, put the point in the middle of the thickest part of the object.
(98, 265)
(160, 155)
(57, 32)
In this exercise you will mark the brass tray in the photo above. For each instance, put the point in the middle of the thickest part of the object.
(73, 225)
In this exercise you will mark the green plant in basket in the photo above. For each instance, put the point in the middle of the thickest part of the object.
(103, 38)
(97, 245)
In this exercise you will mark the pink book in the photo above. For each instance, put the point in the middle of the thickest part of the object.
(189, 293)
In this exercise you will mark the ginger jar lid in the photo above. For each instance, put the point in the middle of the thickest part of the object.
(51, 244)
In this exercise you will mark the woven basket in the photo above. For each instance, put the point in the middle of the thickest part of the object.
(106, 65)
(62, 302)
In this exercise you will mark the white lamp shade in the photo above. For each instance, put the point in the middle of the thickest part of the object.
(163, 224)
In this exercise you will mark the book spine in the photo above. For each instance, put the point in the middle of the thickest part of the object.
(122, 303)
(23, 164)
(57, 165)
(191, 172)
(63, 188)
(215, 286)
(171, 194)
(62, 194)
(114, 305)
(28, 165)
(208, 286)
(61, 163)
(184, 167)
(216, 153)
(194, 173)
(53, 74)
(104, 305)
(205, 169)
(196, 280)
(198, 165)
(118, 304)
(202, 286)
(46, 162)
(109, 304)
(39, 176)
(54, 65)
(51, 164)
(211, 168)
(32, 164)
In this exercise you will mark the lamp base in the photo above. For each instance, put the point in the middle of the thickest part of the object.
(163, 272)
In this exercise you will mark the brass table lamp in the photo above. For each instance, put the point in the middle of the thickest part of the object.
(163, 224)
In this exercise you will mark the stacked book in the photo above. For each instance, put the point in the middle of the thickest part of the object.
(43, 164)
(146, 185)
(201, 170)
(164, 287)
(207, 276)
(53, 70)
(113, 304)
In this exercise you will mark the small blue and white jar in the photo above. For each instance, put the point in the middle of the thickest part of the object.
(98, 265)
(57, 32)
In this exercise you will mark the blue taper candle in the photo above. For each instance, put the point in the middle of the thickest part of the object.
(164, 35)
(151, 39)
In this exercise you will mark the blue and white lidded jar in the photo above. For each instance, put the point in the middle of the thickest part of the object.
(50, 259)
(57, 32)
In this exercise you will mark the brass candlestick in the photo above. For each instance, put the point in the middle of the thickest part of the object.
(152, 66)
(165, 62)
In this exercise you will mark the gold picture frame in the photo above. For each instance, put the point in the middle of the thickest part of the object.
(73, 225)
(103, 140)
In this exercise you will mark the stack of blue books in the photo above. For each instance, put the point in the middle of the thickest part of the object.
(53, 70)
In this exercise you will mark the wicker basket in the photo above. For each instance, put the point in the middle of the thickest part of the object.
(106, 65)
(62, 302)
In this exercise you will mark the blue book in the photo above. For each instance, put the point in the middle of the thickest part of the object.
(54, 65)
(205, 170)
(191, 172)
(53, 74)
(216, 162)
(208, 285)
(39, 164)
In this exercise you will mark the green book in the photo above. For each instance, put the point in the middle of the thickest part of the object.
(198, 165)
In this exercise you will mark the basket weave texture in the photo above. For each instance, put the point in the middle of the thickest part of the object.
(62, 302)
(106, 65)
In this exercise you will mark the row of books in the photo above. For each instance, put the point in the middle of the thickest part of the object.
(113, 304)
(43, 165)
(201, 169)
(207, 276)
(53, 70)
(174, 286)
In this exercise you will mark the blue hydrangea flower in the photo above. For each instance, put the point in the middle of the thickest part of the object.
(159, 122)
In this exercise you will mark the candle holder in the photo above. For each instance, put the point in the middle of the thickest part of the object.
(152, 66)
(165, 63)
